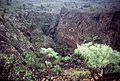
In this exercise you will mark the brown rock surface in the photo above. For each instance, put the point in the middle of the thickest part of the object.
(23, 31)
(12, 40)
(78, 27)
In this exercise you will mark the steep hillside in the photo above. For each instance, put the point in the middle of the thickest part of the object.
(80, 27)
(59, 40)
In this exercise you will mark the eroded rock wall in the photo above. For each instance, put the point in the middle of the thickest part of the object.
(12, 40)
(25, 31)
(80, 27)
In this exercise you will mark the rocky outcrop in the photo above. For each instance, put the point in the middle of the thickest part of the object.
(80, 27)
(46, 22)
(25, 31)
(12, 40)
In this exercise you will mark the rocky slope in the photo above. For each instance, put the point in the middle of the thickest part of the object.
(25, 31)
(77, 27)
(93, 21)
(12, 40)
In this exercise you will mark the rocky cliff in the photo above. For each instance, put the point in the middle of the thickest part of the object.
(12, 40)
(25, 31)
(77, 27)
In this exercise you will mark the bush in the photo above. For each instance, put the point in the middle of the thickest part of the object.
(98, 56)
(51, 54)
(6, 63)
(76, 73)
(22, 74)
(45, 59)
(33, 61)
(52, 59)
(23, 67)
(57, 69)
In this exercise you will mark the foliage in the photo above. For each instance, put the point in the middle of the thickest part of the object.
(98, 55)
(14, 68)
(113, 68)
(53, 59)
(57, 69)
(32, 60)
(76, 73)
(50, 53)
(44, 59)
(100, 59)
(22, 73)
(66, 58)
(8, 59)
(21, 67)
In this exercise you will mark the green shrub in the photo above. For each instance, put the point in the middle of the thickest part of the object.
(76, 73)
(33, 61)
(23, 74)
(57, 69)
(6, 63)
(8, 59)
(30, 58)
(66, 58)
(21, 67)
(45, 59)
(50, 53)
(98, 56)
(53, 59)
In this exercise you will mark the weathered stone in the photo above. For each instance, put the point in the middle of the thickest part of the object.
(41, 40)
(28, 29)
(79, 27)
(12, 40)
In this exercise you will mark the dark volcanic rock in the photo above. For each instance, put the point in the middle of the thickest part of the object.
(24, 31)
(46, 22)
(79, 27)
(12, 40)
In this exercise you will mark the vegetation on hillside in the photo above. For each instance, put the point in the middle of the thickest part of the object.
(30, 50)
(97, 58)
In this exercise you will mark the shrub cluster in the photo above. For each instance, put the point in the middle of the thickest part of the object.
(98, 57)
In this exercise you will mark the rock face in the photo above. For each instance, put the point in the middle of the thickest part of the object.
(24, 31)
(12, 40)
(79, 27)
